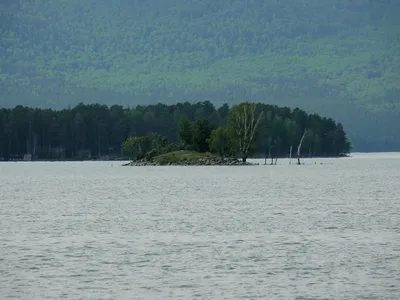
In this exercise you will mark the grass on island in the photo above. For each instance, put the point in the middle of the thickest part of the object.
(181, 156)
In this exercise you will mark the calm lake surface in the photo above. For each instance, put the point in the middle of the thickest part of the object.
(96, 230)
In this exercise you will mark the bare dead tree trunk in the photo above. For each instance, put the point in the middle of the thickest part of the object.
(277, 142)
(290, 155)
(272, 157)
(265, 157)
(34, 146)
(269, 154)
(299, 147)
(98, 146)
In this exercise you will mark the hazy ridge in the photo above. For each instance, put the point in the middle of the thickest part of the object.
(338, 58)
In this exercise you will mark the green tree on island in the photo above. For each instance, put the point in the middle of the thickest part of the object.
(201, 131)
(136, 147)
(185, 132)
(219, 141)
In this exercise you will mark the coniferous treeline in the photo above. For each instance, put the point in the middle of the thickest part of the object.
(96, 131)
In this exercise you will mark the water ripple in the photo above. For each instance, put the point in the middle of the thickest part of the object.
(92, 231)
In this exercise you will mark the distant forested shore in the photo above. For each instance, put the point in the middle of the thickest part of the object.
(338, 58)
(97, 131)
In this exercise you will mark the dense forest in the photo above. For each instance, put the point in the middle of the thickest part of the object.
(96, 131)
(334, 57)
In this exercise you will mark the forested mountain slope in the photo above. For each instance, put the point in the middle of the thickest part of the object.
(335, 57)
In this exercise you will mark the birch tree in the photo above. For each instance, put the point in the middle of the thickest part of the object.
(243, 125)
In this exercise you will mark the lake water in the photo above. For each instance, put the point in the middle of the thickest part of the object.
(329, 229)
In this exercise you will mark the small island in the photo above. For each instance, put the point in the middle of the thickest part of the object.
(250, 129)
(177, 134)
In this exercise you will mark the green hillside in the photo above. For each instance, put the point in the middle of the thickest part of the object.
(335, 57)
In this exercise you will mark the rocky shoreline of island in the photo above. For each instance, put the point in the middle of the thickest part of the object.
(188, 158)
